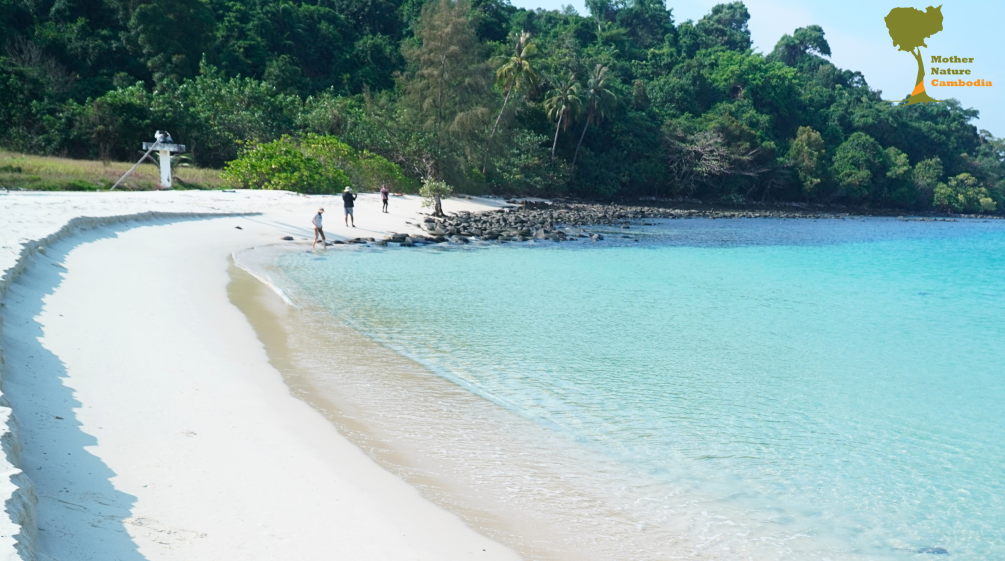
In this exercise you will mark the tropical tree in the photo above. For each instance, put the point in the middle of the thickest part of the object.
(807, 155)
(963, 194)
(445, 98)
(598, 101)
(562, 106)
(516, 71)
(909, 28)
(432, 193)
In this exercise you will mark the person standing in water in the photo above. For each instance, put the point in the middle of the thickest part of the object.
(318, 230)
(383, 196)
(347, 200)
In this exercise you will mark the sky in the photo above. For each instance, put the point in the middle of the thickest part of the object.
(860, 41)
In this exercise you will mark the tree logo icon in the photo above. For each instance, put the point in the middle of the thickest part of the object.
(909, 28)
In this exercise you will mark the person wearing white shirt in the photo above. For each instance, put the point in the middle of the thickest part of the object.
(318, 230)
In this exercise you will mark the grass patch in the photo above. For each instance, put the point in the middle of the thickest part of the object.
(48, 173)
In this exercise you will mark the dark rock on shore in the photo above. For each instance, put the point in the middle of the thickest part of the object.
(563, 221)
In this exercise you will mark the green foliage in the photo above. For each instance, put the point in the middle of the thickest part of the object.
(432, 192)
(900, 190)
(471, 92)
(599, 100)
(516, 71)
(808, 156)
(171, 36)
(926, 176)
(432, 188)
(525, 168)
(963, 194)
(563, 105)
(858, 164)
(446, 97)
(314, 164)
(792, 49)
(286, 164)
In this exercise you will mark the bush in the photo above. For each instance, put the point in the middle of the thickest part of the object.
(314, 164)
(963, 194)
(284, 164)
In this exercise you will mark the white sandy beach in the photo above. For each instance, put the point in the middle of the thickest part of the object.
(153, 425)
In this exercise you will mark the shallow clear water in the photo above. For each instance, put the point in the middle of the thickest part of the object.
(839, 384)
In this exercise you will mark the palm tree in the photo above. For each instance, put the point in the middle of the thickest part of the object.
(563, 105)
(515, 71)
(598, 101)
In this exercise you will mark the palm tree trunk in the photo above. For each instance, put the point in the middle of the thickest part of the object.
(485, 161)
(555, 142)
(499, 118)
(582, 136)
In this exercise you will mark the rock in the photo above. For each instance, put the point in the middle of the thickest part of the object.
(381, 243)
(238, 227)
(287, 238)
(596, 237)
(439, 239)
(934, 550)
(461, 239)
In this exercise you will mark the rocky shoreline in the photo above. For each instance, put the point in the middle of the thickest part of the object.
(565, 221)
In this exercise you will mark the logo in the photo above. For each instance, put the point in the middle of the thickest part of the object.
(909, 28)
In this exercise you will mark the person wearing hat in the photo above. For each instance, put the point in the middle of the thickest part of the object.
(347, 199)
(318, 230)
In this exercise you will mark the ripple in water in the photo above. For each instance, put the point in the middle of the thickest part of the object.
(745, 389)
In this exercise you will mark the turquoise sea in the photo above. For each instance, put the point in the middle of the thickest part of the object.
(723, 389)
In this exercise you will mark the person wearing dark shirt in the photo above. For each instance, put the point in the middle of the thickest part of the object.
(383, 196)
(347, 199)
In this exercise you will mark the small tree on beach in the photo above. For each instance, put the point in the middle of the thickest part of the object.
(432, 192)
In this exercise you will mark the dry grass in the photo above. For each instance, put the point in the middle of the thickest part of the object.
(47, 173)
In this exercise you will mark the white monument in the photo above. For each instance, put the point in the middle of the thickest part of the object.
(165, 146)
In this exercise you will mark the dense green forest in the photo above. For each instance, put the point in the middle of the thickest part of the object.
(622, 103)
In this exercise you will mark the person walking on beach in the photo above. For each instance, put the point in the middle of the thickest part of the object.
(347, 199)
(318, 230)
(383, 196)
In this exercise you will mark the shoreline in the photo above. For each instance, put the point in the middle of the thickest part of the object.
(204, 456)
(383, 319)
(41, 275)
(375, 402)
